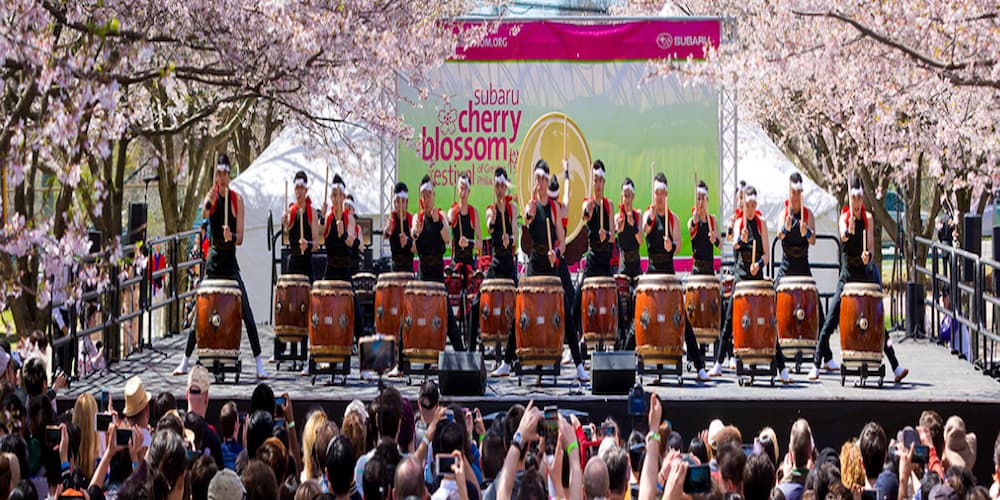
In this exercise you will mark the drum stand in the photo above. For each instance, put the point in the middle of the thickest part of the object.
(297, 352)
(863, 372)
(747, 373)
(219, 367)
(675, 369)
(336, 367)
(426, 370)
(538, 370)
(801, 355)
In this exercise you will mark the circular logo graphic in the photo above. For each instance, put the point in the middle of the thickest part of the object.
(548, 138)
(664, 41)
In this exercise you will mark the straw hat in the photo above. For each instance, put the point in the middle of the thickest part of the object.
(136, 397)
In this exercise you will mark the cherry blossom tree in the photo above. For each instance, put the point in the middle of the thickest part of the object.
(902, 92)
(89, 84)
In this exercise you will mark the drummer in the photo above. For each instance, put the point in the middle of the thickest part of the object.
(338, 234)
(630, 263)
(627, 231)
(466, 234)
(704, 233)
(662, 230)
(798, 232)
(857, 267)
(222, 255)
(752, 255)
(500, 221)
(597, 215)
(431, 237)
(545, 224)
(301, 230)
(397, 230)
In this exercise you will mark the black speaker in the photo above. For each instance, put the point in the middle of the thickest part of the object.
(136, 223)
(95, 241)
(914, 309)
(972, 237)
(612, 372)
(461, 373)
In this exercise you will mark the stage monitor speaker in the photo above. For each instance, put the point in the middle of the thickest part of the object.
(612, 372)
(461, 373)
(972, 237)
(136, 223)
(914, 309)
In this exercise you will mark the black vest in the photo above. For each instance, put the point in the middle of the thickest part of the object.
(402, 255)
(459, 254)
(660, 260)
(502, 223)
(294, 230)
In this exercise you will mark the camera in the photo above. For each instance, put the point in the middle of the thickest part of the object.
(122, 436)
(698, 480)
(443, 463)
(52, 434)
(550, 423)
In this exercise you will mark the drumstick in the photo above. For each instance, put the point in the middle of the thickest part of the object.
(285, 230)
(564, 140)
(302, 229)
(548, 230)
(326, 185)
(225, 209)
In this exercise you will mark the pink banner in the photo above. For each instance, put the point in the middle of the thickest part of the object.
(628, 40)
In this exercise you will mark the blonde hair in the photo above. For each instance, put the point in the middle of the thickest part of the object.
(84, 416)
(769, 432)
(852, 473)
(354, 430)
(314, 422)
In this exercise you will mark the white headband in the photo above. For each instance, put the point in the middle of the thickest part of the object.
(628, 187)
(340, 186)
(539, 173)
(703, 191)
(426, 187)
(402, 195)
(463, 181)
(796, 186)
(857, 191)
(221, 167)
(553, 194)
(300, 182)
(749, 198)
(501, 180)
(599, 173)
(659, 185)
(350, 203)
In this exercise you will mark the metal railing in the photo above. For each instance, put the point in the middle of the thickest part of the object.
(120, 309)
(973, 308)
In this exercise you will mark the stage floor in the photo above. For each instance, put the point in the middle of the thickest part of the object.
(935, 376)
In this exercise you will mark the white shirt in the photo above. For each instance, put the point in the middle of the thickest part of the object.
(447, 491)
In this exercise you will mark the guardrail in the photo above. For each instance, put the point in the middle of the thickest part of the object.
(120, 310)
(974, 304)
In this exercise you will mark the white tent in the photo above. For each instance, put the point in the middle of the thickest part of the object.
(262, 186)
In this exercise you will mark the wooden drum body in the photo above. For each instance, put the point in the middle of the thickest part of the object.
(862, 330)
(798, 312)
(291, 305)
(425, 321)
(389, 290)
(659, 318)
(364, 284)
(331, 320)
(496, 315)
(599, 310)
(540, 318)
(754, 325)
(702, 300)
(220, 319)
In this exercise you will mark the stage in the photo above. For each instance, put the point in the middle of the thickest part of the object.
(938, 380)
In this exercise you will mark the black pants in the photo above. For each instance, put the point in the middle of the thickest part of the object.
(725, 347)
(823, 351)
(499, 268)
(248, 322)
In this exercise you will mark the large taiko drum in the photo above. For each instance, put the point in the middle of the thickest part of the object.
(331, 320)
(702, 299)
(220, 319)
(659, 318)
(389, 291)
(291, 305)
(425, 320)
(862, 331)
(728, 282)
(364, 284)
(599, 310)
(539, 320)
(798, 313)
(496, 316)
(755, 331)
